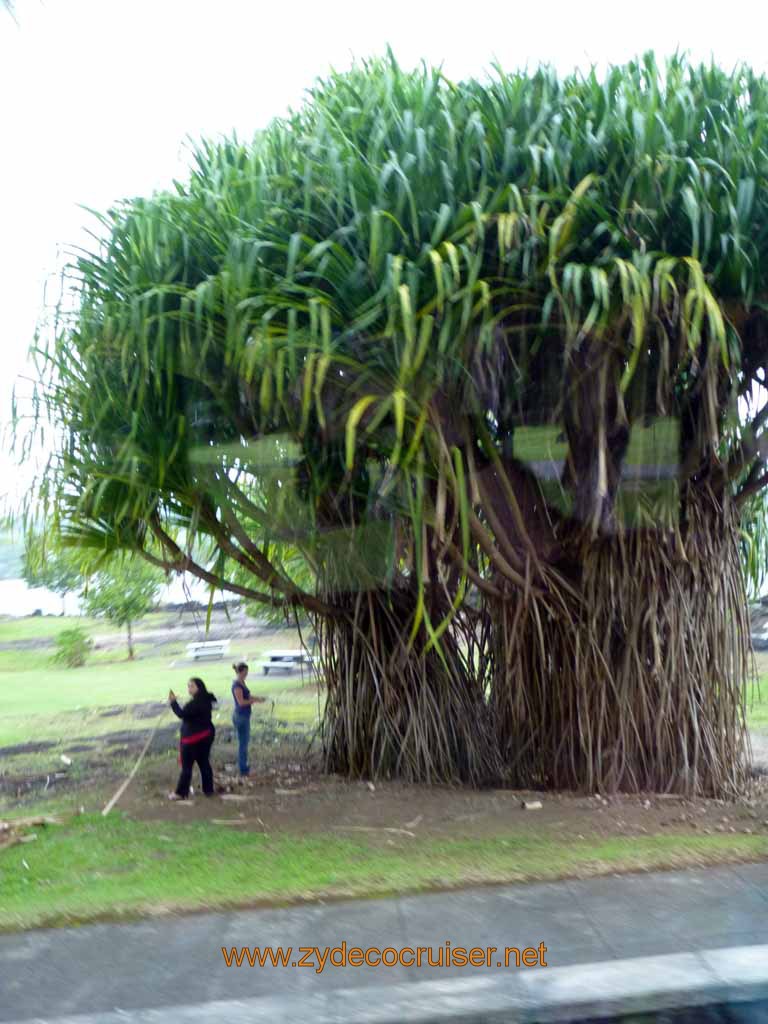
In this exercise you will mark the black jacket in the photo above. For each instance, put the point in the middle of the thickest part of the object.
(195, 715)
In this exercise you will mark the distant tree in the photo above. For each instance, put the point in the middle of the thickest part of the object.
(122, 592)
(47, 564)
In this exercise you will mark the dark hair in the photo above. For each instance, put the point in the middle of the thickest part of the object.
(238, 666)
(201, 690)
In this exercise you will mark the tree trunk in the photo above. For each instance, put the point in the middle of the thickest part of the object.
(131, 653)
(598, 435)
(399, 711)
(638, 684)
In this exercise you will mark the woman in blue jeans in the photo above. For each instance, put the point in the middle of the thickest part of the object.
(241, 716)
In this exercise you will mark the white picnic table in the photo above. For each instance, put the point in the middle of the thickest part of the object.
(285, 661)
(207, 649)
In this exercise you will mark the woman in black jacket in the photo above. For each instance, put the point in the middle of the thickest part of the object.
(197, 735)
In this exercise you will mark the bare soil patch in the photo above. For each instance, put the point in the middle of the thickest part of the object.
(294, 797)
(150, 709)
(288, 793)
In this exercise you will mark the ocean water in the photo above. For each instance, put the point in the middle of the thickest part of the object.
(17, 599)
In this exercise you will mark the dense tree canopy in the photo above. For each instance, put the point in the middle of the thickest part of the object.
(404, 250)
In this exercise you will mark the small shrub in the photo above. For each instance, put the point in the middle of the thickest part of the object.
(72, 647)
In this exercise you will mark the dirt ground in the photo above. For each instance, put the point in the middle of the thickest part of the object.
(288, 793)
(293, 796)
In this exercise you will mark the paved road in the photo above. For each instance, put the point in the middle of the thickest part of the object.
(171, 961)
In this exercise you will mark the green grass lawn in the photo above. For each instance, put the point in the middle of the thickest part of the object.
(40, 700)
(640, 503)
(757, 701)
(40, 659)
(54, 703)
(47, 627)
(55, 690)
(654, 445)
(95, 867)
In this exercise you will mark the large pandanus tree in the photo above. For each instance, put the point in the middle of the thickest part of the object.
(490, 357)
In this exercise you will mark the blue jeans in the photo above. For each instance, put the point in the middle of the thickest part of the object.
(242, 724)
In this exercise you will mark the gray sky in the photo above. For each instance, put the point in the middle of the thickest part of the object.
(99, 95)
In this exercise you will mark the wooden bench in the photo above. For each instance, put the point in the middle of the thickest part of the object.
(285, 661)
(207, 649)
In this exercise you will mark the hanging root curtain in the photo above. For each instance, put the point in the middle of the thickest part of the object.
(638, 685)
(397, 708)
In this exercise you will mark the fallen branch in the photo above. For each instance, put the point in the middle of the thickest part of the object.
(135, 768)
(35, 821)
(370, 828)
(416, 821)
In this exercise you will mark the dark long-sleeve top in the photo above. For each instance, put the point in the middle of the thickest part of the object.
(195, 715)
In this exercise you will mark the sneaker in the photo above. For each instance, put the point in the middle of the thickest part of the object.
(175, 796)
